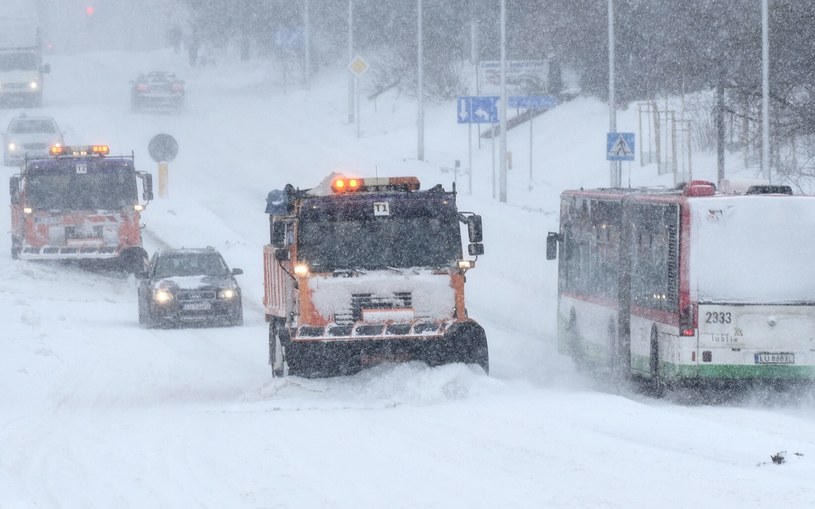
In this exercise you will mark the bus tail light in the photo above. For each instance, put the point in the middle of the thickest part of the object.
(687, 322)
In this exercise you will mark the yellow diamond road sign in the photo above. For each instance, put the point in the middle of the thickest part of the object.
(358, 66)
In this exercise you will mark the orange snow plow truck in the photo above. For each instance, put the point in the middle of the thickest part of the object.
(364, 271)
(82, 205)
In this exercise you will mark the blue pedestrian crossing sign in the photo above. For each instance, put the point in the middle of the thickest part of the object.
(477, 109)
(620, 147)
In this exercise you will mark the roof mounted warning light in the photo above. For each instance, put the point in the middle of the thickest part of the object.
(699, 188)
(346, 185)
(79, 150)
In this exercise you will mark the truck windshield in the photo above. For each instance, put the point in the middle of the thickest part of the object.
(114, 189)
(26, 61)
(413, 235)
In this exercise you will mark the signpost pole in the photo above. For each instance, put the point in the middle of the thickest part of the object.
(493, 159)
(163, 168)
(531, 119)
(470, 158)
(503, 109)
(356, 87)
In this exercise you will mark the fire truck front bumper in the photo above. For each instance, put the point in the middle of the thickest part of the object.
(69, 252)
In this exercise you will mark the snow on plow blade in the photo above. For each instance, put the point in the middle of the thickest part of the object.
(346, 349)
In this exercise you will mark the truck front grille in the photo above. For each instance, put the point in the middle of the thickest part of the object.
(360, 301)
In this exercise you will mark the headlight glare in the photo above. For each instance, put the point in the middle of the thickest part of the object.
(162, 296)
(228, 294)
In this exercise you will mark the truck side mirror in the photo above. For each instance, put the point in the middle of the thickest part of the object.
(551, 245)
(46, 68)
(237, 272)
(475, 249)
(148, 187)
(474, 229)
(14, 189)
(278, 233)
(281, 254)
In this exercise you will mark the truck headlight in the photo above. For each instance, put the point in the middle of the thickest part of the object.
(12, 147)
(162, 296)
(34, 85)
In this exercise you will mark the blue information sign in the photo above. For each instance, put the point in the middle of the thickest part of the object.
(477, 109)
(532, 102)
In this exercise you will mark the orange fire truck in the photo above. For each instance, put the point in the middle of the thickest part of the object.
(365, 271)
(79, 204)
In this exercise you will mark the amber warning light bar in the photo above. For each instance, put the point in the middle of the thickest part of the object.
(346, 185)
(79, 150)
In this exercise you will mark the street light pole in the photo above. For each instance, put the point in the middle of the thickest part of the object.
(765, 92)
(420, 83)
(306, 44)
(502, 151)
(350, 58)
(614, 169)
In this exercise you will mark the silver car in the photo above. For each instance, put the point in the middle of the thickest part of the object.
(29, 136)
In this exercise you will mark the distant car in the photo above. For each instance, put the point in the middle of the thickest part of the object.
(189, 286)
(157, 90)
(29, 136)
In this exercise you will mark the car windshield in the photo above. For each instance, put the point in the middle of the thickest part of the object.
(189, 264)
(30, 126)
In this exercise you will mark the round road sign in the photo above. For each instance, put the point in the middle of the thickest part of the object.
(162, 147)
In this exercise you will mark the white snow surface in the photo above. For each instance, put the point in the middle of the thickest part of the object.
(96, 412)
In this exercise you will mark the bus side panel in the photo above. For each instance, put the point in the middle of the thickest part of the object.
(594, 329)
(676, 353)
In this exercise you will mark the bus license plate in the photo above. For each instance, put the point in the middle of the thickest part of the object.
(775, 358)
(197, 306)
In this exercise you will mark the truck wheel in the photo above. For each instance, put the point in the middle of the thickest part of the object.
(133, 261)
(16, 248)
(467, 342)
(576, 350)
(276, 357)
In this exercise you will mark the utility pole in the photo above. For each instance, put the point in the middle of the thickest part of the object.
(765, 92)
(306, 45)
(350, 58)
(420, 83)
(502, 151)
(614, 169)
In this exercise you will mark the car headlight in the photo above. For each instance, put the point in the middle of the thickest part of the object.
(228, 294)
(162, 296)
(34, 85)
(12, 147)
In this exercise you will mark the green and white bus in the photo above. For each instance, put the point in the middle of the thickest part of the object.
(686, 285)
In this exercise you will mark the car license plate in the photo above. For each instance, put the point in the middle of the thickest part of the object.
(197, 306)
(775, 358)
